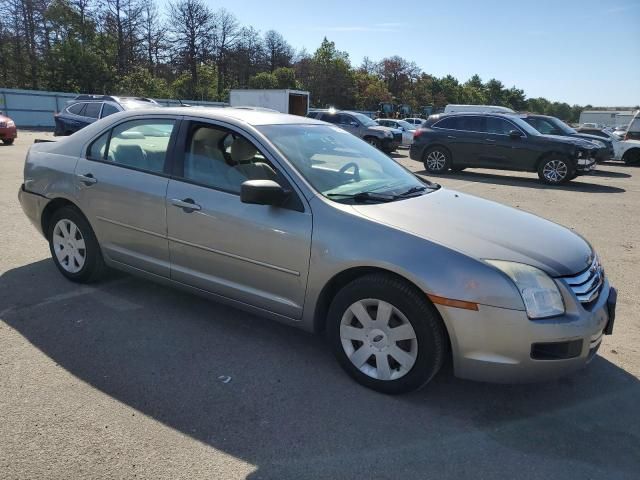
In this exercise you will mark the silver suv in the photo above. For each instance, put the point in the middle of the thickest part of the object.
(383, 138)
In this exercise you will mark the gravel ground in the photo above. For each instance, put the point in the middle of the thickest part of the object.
(122, 379)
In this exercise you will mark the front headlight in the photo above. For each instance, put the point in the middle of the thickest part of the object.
(539, 292)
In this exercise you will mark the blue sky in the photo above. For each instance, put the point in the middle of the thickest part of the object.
(575, 51)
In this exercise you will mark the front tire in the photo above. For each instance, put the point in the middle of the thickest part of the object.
(8, 141)
(74, 247)
(385, 334)
(373, 141)
(437, 160)
(555, 171)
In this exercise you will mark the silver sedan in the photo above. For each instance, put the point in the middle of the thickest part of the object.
(301, 222)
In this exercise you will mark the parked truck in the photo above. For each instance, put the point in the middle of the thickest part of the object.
(295, 102)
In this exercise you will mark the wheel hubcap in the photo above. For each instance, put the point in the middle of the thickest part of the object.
(69, 246)
(378, 339)
(436, 160)
(555, 171)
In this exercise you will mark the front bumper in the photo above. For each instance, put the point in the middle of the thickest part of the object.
(501, 345)
(585, 165)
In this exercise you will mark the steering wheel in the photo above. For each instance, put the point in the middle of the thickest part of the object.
(356, 170)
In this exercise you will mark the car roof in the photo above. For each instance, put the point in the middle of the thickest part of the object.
(251, 117)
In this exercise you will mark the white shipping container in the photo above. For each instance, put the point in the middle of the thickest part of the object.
(295, 102)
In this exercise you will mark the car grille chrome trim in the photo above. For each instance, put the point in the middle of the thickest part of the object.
(587, 285)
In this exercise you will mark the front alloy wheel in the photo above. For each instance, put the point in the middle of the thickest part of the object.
(554, 171)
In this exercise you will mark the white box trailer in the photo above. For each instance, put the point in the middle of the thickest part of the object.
(608, 118)
(295, 102)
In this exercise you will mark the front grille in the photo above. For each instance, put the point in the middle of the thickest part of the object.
(588, 284)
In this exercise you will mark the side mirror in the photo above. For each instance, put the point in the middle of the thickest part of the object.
(262, 192)
(515, 134)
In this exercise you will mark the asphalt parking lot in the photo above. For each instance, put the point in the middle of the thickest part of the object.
(127, 379)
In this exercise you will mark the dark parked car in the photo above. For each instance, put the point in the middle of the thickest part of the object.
(500, 141)
(86, 109)
(554, 126)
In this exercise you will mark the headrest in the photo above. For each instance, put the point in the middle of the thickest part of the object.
(242, 150)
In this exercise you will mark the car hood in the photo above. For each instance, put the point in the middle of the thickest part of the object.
(577, 141)
(483, 229)
(592, 138)
(380, 128)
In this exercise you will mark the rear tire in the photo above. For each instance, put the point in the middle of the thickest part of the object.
(8, 141)
(74, 247)
(385, 334)
(555, 170)
(631, 157)
(437, 160)
(373, 141)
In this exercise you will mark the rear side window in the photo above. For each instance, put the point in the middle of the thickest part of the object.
(327, 117)
(76, 108)
(92, 110)
(139, 144)
(450, 123)
(108, 109)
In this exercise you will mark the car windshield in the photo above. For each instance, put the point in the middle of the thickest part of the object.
(563, 127)
(341, 166)
(364, 120)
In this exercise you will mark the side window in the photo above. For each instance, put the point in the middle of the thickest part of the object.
(222, 159)
(92, 110)
(450, 123)
(327, 117)
(141, 144)
(499, 126)
(97, 150)
(76, 108)
(108, 109)
(470, 124)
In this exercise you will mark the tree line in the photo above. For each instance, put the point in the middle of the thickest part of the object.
(189, 51)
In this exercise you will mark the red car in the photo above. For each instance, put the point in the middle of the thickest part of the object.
(8, 130)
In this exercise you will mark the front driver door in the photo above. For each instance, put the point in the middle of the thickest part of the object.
(254, 254)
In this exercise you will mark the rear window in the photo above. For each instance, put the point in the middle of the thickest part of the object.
(108, 109)
(470, 124)
(450, 123)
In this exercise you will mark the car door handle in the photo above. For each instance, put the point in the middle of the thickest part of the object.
(491, 140)
(87, 179)
(188, 204)
(451, 136)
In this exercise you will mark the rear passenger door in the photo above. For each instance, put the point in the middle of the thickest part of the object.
(462, 135)
(121, 183)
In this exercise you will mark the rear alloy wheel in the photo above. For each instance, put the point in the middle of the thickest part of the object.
(385, 334)
(555, 171)
(437, 160)
(74, 247)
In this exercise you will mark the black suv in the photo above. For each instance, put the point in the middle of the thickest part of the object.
(554, 126)
(86, 109)
(501, 141)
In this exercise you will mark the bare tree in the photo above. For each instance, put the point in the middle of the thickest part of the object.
(191, 24)
(279, 52)
(226, 34)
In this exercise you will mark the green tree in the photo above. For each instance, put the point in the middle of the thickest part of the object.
(370, 91)
(263, 80)
(331, 78)
(285, 78)
(184, 87)
(140, 82)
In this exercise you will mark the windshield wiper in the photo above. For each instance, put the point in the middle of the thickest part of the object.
(412, 190)
(364, 196)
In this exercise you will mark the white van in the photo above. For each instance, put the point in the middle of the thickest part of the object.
(633, 130)
(452, 108)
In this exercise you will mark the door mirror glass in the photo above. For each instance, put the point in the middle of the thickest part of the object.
(515, 133)
(263, 192)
